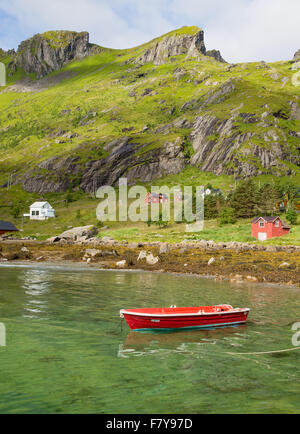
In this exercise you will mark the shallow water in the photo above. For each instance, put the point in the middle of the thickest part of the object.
(68, 352)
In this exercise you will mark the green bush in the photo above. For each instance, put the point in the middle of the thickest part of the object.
(292, 216)
(227, 217)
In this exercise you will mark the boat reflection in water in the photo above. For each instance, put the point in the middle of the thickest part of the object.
(186, 342)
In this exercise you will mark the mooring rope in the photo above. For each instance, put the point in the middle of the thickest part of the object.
(265, 352)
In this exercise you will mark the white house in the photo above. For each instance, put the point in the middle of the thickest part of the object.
(212, 191)
(41, 211)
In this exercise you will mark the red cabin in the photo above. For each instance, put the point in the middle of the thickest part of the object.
(7, 227)
(264, 228)
(156, 198)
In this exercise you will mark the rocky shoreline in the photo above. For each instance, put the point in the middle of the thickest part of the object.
(236, 262)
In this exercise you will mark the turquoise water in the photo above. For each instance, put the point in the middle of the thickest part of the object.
(67, 351)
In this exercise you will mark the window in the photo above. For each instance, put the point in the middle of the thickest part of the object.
(33, 213)
(277, 224)
(37, 213)
(261, 224)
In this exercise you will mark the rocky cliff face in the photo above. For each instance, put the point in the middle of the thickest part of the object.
(220, 148)
(48, 52)
(297, 55)
(173, 45)
(122, 162)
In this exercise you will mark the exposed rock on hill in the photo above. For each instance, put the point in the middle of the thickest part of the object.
(48, 52)
(297, 55)
(216, 55)
(295, 111)
(123, 161)
(173, 45)
(4, 53)
(221, 148)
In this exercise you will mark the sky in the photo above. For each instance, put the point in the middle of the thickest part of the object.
(243, 30)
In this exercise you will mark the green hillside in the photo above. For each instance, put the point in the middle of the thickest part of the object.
(61, 132)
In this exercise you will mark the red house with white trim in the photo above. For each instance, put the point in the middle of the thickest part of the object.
(264, 228)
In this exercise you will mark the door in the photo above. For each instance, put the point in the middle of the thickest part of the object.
(262, 236)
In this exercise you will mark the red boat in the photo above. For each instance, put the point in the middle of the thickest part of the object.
(177, 318)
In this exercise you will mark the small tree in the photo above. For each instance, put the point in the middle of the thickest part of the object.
(210, 207)
(292, 216)
(267, 198)
(78, 214)
(16, 209)
(69, 199)
(15, 212)
(227, 217)
(244, 199)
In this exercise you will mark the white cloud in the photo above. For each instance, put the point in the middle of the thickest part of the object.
(243, 30)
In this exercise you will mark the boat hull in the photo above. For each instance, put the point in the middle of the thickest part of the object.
(139, 322)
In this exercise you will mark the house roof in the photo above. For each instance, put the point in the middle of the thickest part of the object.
(38, 204)
(158, 195)
(7, 226)
(272, 220)
(266, 219)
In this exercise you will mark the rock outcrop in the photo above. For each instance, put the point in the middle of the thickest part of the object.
(50, 51)
(216, 55)
(295, 111)
(78, 234)
(173, 45)
(297, 55)
(8, 53)
(187, 40)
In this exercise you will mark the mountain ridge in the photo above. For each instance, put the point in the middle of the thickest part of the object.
(50, 51)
